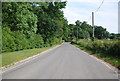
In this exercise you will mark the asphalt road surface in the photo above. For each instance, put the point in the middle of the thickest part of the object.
(63, 62)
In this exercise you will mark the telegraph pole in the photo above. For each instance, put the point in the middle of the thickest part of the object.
(77, 33)
(118, 32)
(93, 24)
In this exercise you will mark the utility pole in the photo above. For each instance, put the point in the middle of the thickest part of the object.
(77, 33)
(93, 24)
(118, 32)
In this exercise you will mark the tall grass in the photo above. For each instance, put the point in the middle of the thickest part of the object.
(108, 50)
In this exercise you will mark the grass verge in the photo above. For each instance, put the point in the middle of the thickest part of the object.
(12, 57)
(103, 56)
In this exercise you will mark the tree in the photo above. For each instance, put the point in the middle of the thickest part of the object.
(51, 21)
(18, 17)
(101, 32)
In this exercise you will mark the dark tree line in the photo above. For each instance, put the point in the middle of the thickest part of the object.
(114, 36)
(40, 24)
(82, 30)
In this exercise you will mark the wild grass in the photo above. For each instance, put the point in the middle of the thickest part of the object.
(107, 50)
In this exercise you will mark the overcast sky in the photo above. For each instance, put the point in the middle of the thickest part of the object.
(107, 16)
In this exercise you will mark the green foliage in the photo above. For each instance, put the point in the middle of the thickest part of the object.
(0, 39)
(18, 17)
(32, 25)
(107, 50)
(101, 32)
(40, 24)
(51, 22)
(8, 40)
(14, 41)
(114, 36)
(82, 30)
(102, 46)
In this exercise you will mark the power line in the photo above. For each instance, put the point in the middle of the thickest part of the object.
(93, 18)
(99, 6)
(96, 10)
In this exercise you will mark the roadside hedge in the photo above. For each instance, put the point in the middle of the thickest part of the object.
(109, 47)
(107, 50)
(14, 41)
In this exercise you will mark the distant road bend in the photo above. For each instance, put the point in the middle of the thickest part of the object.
(63, 62)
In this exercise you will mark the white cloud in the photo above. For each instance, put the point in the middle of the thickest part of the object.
(72, 15)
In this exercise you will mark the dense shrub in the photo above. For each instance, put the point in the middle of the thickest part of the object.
(14, 41)
(102, 46)
(108, 50)
(8, 43)
(38, 41)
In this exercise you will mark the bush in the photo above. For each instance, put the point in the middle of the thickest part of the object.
(115, 49)
(108, 50)
(102, 46)
(15, 40)
(8, 43)
(38, 40)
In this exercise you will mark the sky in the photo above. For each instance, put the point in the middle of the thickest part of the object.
(107, 15)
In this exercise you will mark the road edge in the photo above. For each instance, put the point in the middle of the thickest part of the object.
(19, 63)
(111, 67)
